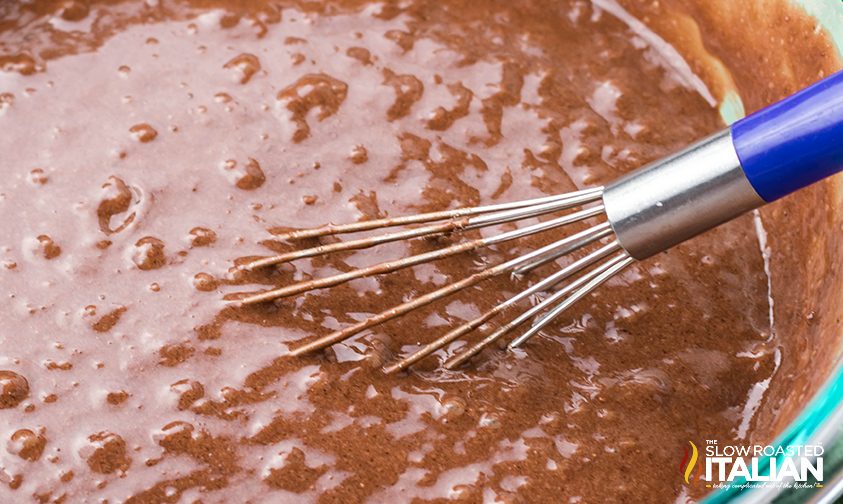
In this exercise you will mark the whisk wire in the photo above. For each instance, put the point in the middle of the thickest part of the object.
(464, 223)
(584, 196)
(624, 261)
(390, 266)
(360, 243)
(586, 279)
(572, 243)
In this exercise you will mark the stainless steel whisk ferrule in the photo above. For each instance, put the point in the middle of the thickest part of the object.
(665, 203)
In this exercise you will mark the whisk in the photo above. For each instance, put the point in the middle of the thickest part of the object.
(759, 159)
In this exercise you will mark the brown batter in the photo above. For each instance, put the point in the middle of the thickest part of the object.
(146, 147)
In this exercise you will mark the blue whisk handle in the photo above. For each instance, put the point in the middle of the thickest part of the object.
(795, 142)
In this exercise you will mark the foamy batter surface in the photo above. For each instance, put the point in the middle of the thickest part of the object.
(146, 148)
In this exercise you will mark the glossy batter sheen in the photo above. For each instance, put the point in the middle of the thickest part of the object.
(145, 148)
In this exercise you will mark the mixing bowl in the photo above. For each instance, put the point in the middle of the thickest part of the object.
(159, 383)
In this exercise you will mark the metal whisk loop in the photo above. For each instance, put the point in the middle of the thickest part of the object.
(466, 328)
(580, 287)
(572, 243)
(426, 299)
(390, 266)
(623, 261)
(584, 196)
(456, 223)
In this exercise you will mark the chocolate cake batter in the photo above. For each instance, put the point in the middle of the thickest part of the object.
(148, 147)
